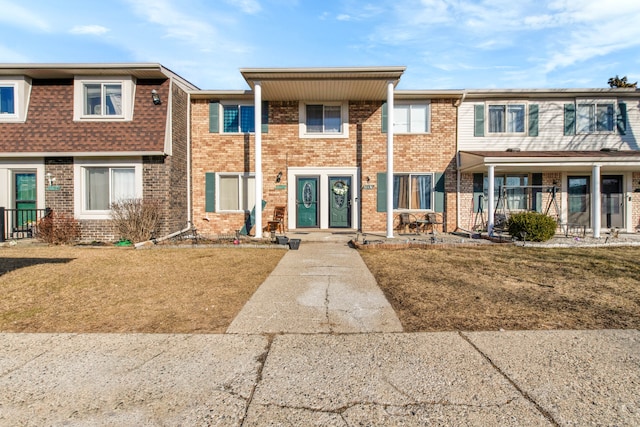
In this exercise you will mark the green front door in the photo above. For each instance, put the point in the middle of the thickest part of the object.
(340, 202)
(25, 186)
(306, 201)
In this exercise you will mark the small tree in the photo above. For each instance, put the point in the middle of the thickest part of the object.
(58, 229)
(136, 220)
(621, 82)
(532, 226)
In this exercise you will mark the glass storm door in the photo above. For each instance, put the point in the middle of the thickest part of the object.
(306, 202)
(612, 201)
(25, 197)
(340, 202)
(579, 199)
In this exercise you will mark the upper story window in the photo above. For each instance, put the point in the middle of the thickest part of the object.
(102, 98)
(238, 119)
(595, 117)
(7, 99)
(325, 120)
(14, 97)
(506, 118)
(411, 118)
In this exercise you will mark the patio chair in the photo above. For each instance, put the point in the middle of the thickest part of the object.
(277, 223)
(429, 223)
(405, 223)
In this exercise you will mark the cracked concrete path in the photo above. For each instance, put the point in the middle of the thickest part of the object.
(320, 288)
(557, 378)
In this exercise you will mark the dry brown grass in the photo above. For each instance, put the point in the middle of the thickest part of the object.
(74, 289)
(490, 287)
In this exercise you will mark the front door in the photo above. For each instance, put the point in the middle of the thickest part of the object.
(307, 202)
(612, 201)
(579, 200)
(25, 197)
(340, 202)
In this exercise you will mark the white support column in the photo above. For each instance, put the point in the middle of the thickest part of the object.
(595, 201)
(491, 203)
(258, 155)
(390, 159)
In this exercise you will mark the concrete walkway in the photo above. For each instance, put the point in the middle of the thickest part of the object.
(317, 345)
(319, 288)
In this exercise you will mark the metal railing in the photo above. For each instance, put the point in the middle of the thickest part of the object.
(20, 223)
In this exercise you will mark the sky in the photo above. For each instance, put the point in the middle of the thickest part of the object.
(445, 44)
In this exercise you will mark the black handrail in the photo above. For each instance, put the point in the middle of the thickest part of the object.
(20, 223)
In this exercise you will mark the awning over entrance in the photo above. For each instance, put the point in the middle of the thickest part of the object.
(546, 161)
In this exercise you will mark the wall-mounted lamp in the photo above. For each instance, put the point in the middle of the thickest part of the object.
(368, 179)
(50, 178)
(155, 97)
(279, 177)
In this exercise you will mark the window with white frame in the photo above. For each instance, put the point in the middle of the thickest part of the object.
(411, 117)
(103, 98)
(238, 118)
(511, 190)
(506, 118)
(324, 120)
(413, 191)
(236, 192)
(106, 185)
(7, 99)
(595, 117)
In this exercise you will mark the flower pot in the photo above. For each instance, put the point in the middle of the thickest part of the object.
(294, 244)
(282, 240)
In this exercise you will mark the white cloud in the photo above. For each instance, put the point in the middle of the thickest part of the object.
(19, 16)
(250, 7)
(343, 17)
(96, 30)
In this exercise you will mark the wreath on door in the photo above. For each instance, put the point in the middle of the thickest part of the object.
(340, 188)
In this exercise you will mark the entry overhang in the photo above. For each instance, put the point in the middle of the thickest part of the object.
(324, 84)
(547, 161)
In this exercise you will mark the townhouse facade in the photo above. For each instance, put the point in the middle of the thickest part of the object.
(338, 148)
(75, 138)
(323, 150)
(571, 153)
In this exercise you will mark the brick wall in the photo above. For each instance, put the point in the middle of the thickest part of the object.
(282, 147)
(635, 214)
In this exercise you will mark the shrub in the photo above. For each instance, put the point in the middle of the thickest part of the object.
(58, 229)
(136, 220)
(537, 226)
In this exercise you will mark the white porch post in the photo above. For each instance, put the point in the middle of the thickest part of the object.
(491, 202)
(595, 201)
(258, 156)
(390, 159)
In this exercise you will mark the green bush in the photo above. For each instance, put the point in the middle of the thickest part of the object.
(537, 226)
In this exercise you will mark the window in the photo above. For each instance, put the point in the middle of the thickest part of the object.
(236, 192)
(510, 190)
(103, 99)
(412, 191)
(411, 118)
(105, 185)
(507, 118)
(595, 117)
(7, 100)
(324, 119)
(238, 119)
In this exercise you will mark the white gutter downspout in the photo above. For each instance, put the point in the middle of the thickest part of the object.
(390, 159)
(457, 104)
(595, 201)
(258, 149)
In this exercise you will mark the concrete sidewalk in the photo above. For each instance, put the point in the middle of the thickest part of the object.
(318, 344)
(383, 379)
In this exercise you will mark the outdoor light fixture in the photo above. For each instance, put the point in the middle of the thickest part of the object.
(279, 177)
(50, 178)
(155, 97)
